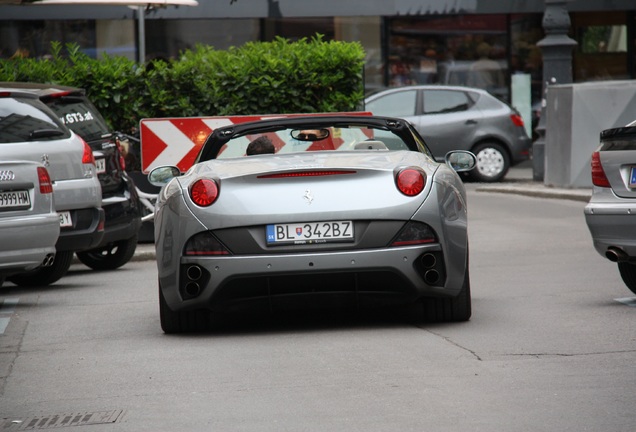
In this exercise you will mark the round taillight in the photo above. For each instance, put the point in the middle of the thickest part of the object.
(204, 192)
(410, 181)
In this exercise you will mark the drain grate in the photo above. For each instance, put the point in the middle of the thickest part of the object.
(60, 420)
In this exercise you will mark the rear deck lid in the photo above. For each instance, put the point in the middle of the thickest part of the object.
(618, 158)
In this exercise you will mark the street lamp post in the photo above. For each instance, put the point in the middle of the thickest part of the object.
(556, 47)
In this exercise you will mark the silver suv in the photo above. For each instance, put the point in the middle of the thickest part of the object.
(29, 130)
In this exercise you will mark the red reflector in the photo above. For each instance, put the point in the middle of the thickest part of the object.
(46, 187)
(204, 192)
(307, 174)
(598, 173)
(517, 120)
(410, 181)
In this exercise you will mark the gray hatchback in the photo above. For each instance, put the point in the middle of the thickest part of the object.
(610, 214)
(460, 118)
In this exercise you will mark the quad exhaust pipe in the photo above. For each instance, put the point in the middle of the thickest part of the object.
(192, 287)
(431, 276)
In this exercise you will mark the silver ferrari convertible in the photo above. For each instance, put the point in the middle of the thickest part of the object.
(323, 211)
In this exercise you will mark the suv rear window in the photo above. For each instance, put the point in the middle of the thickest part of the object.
(26, 119)
(80, 115)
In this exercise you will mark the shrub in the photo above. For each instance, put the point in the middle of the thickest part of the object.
(305, 76)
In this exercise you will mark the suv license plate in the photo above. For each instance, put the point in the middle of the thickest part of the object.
(310, 233)
(65, 219)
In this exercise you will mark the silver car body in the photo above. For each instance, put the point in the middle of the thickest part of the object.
(460, 118)
(29, 130)
(284, 188)
(611, 212)
(29, 224)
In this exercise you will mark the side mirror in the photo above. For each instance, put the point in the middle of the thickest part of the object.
(162, 175)
(461, 160)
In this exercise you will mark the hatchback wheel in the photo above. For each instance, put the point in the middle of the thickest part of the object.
(111, 256)
(492, 163)
(628, 273)
(45, 275)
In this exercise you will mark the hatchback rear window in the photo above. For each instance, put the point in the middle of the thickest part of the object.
(26, 119)
(79, 115)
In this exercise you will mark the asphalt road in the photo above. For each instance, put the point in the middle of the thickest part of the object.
(551, 346)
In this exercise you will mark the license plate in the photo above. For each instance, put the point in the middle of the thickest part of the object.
(100, 165)
(65, 219)
(18, 199)
(310, 233)
(632, 177)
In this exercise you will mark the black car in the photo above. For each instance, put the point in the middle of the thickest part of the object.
(120, 200)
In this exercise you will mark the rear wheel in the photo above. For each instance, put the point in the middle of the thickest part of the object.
(453, 309)
(182, 322)
(111, 256)
(45, 275)
(628, 273)
(492, 163)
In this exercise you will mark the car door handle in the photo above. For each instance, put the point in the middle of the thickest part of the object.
(471, 122)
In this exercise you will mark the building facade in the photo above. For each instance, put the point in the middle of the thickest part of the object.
(481, 43)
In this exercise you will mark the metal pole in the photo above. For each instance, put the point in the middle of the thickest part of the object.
(557, 69)
(141, 17)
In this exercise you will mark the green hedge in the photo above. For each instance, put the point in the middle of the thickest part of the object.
(309, 75)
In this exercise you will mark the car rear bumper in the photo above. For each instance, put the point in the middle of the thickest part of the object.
(393, 275)
(520, 150)
(26, 241)
(86, 233)
(122, 218)
(612, 225)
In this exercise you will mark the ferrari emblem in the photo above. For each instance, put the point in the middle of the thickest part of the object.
(308, 196)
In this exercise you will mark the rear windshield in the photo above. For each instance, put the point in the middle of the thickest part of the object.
(310, 140)
(26, 119)
(80, 115)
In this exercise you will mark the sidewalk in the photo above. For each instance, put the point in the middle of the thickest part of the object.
(518, 181)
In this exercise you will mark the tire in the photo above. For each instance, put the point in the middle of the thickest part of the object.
(182, 322)
(454, 309)
(111, 256)
(493, 163)
(628, 273)
(43, 276)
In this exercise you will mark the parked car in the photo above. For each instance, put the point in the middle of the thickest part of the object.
(610, 212)
(29, 224)
(120, 200)
(350, 211)
(460, 118)
(29, 130)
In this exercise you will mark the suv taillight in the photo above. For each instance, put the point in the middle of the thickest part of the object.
(598, 173)
(46, 186)
(87, 157)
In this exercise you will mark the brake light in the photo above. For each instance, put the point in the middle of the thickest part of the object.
(598, 173)
(204, 192)
(517, 120)
(87, 157)
(122, 160)
(204, 243)
(307, 174)
(415, 233)
(410, 181)
(46, 186)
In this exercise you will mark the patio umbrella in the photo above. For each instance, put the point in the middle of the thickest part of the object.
(141, 6)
